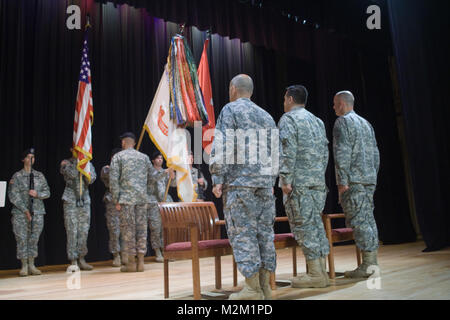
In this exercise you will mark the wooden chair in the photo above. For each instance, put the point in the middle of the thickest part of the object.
(335, 236)
(192, 231)
(282, 241)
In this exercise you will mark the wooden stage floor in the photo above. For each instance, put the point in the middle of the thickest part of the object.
(406, 274)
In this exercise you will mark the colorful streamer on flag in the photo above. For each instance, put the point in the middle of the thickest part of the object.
(186, 98)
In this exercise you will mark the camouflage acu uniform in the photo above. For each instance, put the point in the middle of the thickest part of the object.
(129, 175)
(303, 162)
(27, 233)
(357, 161)
(197, 174)
(77, 220)
(156, 191)
(112, 214)
(249, 204)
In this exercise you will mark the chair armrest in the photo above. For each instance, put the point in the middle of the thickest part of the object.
(334, 216)
(220, 223)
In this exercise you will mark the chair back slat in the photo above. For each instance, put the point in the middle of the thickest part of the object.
(202, 214)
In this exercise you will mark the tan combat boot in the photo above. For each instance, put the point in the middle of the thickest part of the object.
(83, 265)
(131, 265)
(159, 256)
(264, 281)
(123, 258)
(32, 270)
(140, 264)
(251, 291)
(24, 271)
(314, 278)
(323, 265)
(116, 260)
(369, 259)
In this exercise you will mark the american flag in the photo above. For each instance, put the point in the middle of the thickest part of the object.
(84, 115)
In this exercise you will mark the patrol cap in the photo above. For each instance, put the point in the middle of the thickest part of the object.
(27, 152)
(128, 135)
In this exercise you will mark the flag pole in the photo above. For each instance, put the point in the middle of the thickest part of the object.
(81, 187)
(140, 139)
(167, 189)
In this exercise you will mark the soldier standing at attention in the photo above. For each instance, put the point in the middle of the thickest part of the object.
(357, 162)
(77, 211)
(28, 211)
(303, 162)
(247, 187)
(129, 175)
(112, 215)
(156, 190)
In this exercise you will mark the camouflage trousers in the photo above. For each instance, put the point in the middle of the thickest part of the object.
(155, 225)
(133, 228)
(77, 221)
(27, 234)
(358, 206)
(304, 207)
(250, 215)
(113, 225)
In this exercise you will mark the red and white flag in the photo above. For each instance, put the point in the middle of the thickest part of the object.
(204, 80)
(84, 115)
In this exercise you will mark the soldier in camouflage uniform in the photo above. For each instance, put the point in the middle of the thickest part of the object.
(27, 226)
(303, 162)
(357, 162)
(77, 211)
(247, 186)
(130, 173)
(156, 192)
(198, 179)
(112, 216)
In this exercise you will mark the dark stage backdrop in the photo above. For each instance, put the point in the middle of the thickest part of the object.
(39, 66)
(418, 30)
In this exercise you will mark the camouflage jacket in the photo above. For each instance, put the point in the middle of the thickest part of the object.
(130, 177)
(303, 149)
(356, 154)
(72, 178)
(157, 186)
(104, 176)
(250, 158)
(19, 186)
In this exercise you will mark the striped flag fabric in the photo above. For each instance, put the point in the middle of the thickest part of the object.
(84, 115)
(204, 79)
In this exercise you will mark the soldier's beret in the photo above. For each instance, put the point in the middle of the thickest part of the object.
(27, 152)
(128, 135)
